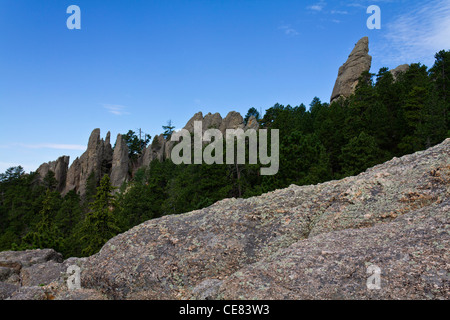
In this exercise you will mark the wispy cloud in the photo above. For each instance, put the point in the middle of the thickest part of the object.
(288, 30)
(317, 6)
(356, 5)
(116, 109)
(338, 12)
(417, 35)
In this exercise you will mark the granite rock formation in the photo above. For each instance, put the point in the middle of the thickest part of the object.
(400, 69)
(154, 151)
(358, 61)
(252, 123)
(95, 160)
(100, 159)
(59, 168)
(233, 120)
(120, 163)
(308, 242)
(161, 148)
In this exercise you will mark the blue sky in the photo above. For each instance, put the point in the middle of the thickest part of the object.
(137, 64)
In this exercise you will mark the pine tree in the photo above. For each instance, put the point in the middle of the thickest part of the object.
(45, 233)
(359, 154)
(100, 225)
(168, 130)
(252, 112)
(440, 74)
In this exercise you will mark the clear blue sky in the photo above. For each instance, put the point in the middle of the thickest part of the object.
(136, 64)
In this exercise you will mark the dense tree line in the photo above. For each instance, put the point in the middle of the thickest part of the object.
(385, 118)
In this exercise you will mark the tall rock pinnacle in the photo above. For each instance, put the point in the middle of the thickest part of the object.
(120, 162)
(358, 61)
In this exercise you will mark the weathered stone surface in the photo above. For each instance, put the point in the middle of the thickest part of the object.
(358, 61)
(59, 168)
(207, 289)
(24, 259)
(233, 120)
(29, 293)
(82, 294)
(19, 268)
(73, 176)
(37, 275)
(212, 121)
(190, 124)
(169, 257)
(120, 163)
(19, 271)
(411, 252)
(308, 242)
(252, 123)
(7, 289)
(400, 69)
(156, 150)
(41, 274)
(96, 160)
(5, 273)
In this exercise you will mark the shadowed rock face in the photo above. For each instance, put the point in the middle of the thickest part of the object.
(252, 123)
(59, 168)
(233, 120)
(100, 159)
(97, 160)
(400, 69)
(309, 242)
(358, 61)
(120, 162)
(161, 148)
(156, 150)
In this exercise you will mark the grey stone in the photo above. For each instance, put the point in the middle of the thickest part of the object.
(358, 61)
(5, 273)
(207, 289)
(41, 274)
(400, 69)
(29, 293)
(167, 258)
(233, 120)
(190, 124)
(120, 163)
(59, 168)
(6, 290)
(24, 259)
(252, 123)
(212, 121)
(97, 160)
(335, 265)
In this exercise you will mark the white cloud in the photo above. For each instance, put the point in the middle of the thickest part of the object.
(356, 5)
(317, 7)
(418, 34)
(338, 12)
(288, 30)
(115, 109)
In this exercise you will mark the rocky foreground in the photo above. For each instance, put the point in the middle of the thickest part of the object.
(310, 242)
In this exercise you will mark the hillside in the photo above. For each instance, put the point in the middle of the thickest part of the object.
(301, 242)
